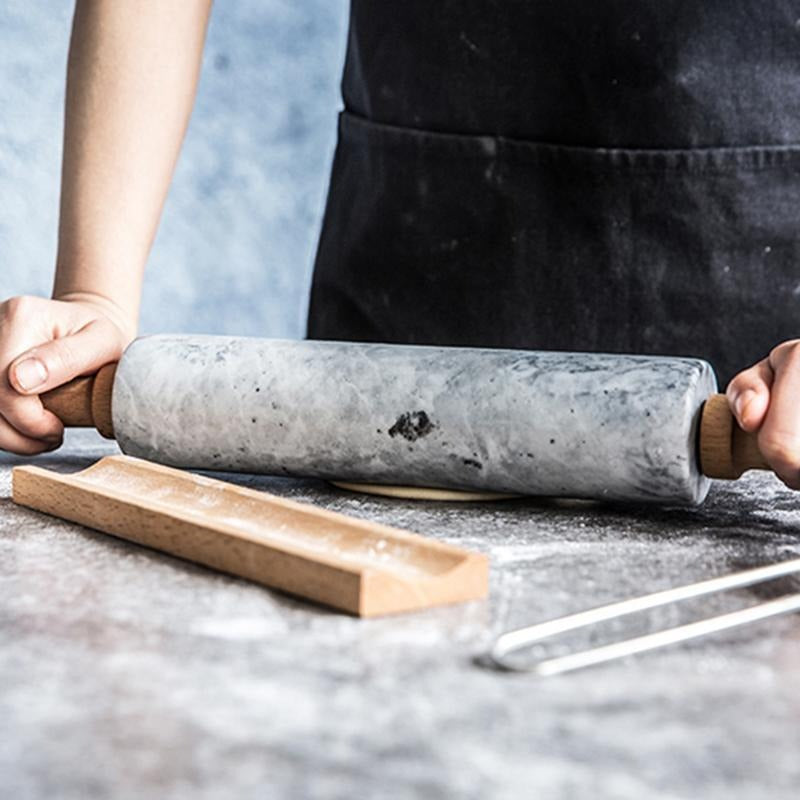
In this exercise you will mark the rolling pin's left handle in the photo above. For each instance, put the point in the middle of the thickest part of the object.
(85, 402)
(726, 451)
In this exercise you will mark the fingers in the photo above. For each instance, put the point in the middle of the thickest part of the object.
(43, 344)
(779, 436)
(749, 395)
(25, 427)
(28, 417)
(55, 363)
(15, 442)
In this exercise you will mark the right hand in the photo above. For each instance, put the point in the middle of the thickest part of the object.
(44, 344)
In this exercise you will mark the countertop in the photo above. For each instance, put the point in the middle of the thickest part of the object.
(125, 673)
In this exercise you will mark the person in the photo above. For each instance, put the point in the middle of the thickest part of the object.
(618, 176)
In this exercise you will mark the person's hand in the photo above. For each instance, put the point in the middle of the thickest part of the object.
(43, 344)
(766, 398)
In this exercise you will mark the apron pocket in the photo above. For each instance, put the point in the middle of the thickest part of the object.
(439, 238)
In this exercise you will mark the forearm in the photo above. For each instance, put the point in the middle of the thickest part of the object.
(132, 75)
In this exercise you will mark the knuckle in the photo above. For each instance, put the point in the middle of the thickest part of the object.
(785, 351)
(738, 383)
(751, 378)
(17, 308)
(26, 419)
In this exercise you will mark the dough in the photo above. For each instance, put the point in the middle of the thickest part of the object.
(422, 493)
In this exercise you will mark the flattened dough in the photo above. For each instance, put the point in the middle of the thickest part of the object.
(422, 493)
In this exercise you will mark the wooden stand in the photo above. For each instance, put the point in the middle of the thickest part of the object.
(354, 565)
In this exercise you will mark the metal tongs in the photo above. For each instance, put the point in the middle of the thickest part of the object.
(521, 639)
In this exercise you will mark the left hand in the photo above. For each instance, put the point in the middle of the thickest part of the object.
(766, 398)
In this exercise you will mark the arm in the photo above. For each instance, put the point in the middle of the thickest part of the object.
(132, 74)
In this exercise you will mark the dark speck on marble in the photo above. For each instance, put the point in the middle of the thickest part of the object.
(412, 425)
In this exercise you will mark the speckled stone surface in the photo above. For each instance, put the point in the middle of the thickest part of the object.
(545, 423)
(128, 674)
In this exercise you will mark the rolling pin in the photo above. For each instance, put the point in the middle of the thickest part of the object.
(584, 425)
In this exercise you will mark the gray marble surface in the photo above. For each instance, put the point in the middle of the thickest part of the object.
(516, 421)
(128, 674)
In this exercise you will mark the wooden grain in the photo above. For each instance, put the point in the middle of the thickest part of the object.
(354, 565)
(101, 400)
(85, 402)
(726, 451)
(72, 403)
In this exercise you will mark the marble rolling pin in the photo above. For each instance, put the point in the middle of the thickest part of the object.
(584, 425)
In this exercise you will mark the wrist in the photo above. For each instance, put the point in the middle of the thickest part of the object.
(124, 318)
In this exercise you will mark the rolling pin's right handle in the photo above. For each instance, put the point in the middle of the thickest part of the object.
(726, 451)
(85, 402)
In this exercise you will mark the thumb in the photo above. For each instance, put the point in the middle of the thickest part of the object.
(748, 394)
(55, 363)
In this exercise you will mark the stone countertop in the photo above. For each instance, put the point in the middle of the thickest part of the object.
(129, 674)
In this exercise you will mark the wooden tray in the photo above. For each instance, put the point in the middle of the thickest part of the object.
(351, 564)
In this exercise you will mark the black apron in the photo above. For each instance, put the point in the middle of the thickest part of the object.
(616, 175)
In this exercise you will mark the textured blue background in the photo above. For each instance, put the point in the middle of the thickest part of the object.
(237, 240)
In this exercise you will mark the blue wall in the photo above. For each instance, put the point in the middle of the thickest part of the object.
(237, 240)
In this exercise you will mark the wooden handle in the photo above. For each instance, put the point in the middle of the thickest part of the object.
(85, 402)
(726, 451)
